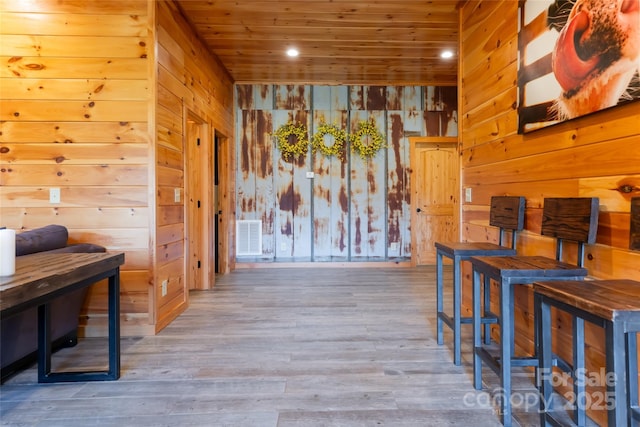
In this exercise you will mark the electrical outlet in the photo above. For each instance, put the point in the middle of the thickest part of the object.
(176, 195)
(467, 195)
(164, 287)
(310, 174)
(54, 195)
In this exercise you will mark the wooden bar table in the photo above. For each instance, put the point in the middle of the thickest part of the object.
(613, 305)
(42, 277)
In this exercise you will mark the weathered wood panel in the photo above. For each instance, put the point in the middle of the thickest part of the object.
(330, 210)
(593, 156)
(293, 194)
(354, 208)
(368, 192)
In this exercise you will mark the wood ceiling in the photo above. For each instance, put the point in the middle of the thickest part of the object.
(374, 42)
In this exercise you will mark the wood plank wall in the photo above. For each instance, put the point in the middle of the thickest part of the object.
(75, 92)
(88, 108)
(593, 156)
(353, 209)
(191, 84)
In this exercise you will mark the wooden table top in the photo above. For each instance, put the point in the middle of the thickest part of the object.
(605, 298)
(41, 274)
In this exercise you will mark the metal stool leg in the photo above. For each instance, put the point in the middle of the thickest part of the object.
(457, 291)
(543, 326)
(632, 369)
(616, 365)
(579, 387)
(506, 343)
(477, 338)
(439, 297)
(487, 308)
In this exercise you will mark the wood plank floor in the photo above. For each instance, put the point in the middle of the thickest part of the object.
(279, 347)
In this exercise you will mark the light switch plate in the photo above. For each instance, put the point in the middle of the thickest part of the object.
(54, 195)
(467, 195)
(310, 174)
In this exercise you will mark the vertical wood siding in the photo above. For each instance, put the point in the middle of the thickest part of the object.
(353, 209)
(190, 81)
(74, 115)
(594, 156)
(93, 102)
(330, 209)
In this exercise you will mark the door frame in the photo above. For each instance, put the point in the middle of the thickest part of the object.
(224, 203)
(203, 166)
(435, 141)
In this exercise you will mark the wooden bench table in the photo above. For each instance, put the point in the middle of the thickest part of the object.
(613, 305)
(42, 277)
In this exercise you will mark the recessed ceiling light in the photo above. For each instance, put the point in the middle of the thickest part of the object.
(292, 52)
(446, 54)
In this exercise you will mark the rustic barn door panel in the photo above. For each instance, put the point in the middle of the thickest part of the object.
(293, 195)
(399, 125)
(264, 184)
(255, 189)
(330, 207)
(441, 110)
(368, 194)
(330, 98)
(292, 97)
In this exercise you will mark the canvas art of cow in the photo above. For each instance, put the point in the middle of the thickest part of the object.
(596, 58)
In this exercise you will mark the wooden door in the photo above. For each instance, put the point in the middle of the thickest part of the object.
(434, 196)
(195, 169)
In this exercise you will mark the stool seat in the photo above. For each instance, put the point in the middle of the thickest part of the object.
(611, 304)
(519, 269)
(452, 249)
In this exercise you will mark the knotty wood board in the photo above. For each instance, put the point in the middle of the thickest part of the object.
(594, 156)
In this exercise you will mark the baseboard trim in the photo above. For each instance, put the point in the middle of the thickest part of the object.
(303, 264)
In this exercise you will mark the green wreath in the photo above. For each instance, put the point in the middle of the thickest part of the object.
(376, 140)
(283, 137)
(339, 140)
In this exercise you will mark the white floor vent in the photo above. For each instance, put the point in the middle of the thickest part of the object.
(249, 237)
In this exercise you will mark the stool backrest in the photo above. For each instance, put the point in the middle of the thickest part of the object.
(571, 218)
(634, 229)
(507, 213)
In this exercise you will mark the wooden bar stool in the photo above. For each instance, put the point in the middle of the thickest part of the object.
(613, 305)
(574, 219)
(506, 213)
